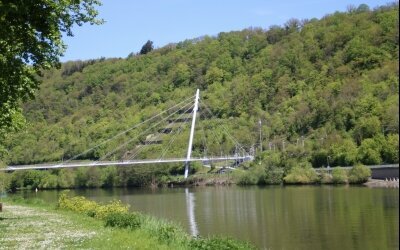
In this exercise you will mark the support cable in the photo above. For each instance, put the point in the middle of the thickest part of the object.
(126, 131)
(215, 136)
(204, 140)
(145, 131)
(139, 151)
(226, 130)
(173, 138)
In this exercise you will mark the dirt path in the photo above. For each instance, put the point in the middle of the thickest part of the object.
(35, 228)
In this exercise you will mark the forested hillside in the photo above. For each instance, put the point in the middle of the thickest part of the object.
(323, 90)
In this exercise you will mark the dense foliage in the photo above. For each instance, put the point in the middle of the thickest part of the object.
(325, 91)
(31, 41)
(301, 175)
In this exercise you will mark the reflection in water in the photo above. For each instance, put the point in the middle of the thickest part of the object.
(190, 211)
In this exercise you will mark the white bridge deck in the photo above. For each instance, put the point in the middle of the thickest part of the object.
(124, 163)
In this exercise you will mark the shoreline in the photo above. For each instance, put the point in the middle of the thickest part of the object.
(378, 183)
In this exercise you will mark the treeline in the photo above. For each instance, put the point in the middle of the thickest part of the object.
(108, 177)
(326, 92)
(88, 177)
(71, 67)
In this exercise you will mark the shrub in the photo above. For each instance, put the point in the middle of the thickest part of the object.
(218, 243)
(274, 176)
(4, 182)
(339, 175)
(359, 174)
(164, 180)
(123, 220)
(255, 175)
(301, 175)
(82, 205)
(391, 149)
(326, 178)
(246, 178)
(78, 204)
(113, 207)
(48, 181)
(167, 232)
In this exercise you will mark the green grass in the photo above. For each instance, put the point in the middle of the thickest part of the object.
(126, 239)
(34, 225)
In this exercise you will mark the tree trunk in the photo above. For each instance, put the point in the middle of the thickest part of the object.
(1, 207)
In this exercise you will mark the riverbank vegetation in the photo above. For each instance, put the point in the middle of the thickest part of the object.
(321, 92)
(252, 175)
(304, 175)
(87, 224)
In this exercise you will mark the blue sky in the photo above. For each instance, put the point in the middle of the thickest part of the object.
(130, 23)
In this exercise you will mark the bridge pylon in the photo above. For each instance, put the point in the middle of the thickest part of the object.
(189, 151)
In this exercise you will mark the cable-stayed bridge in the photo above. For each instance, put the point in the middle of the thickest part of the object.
(169, 124)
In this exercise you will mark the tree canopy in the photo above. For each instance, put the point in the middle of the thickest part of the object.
(30, 42)
(147, 47)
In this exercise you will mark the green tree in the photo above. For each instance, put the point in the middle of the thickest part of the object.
(147, 47)
(343, 153)
(48, 181)
(81, 177)
(390, 149)
(214, 74)
(65, 178)
(367, 128)
(108, 176)
(363, 8)
(182, 75)
(93, 177)
(361, 55)
(369, 152)
(32, 178)
(31, 41)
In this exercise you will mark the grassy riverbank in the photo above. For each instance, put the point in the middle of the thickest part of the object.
(33, 224)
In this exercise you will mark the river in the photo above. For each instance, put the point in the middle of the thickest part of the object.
(272, 217)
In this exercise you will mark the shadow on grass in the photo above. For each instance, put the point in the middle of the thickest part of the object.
(9, 218)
